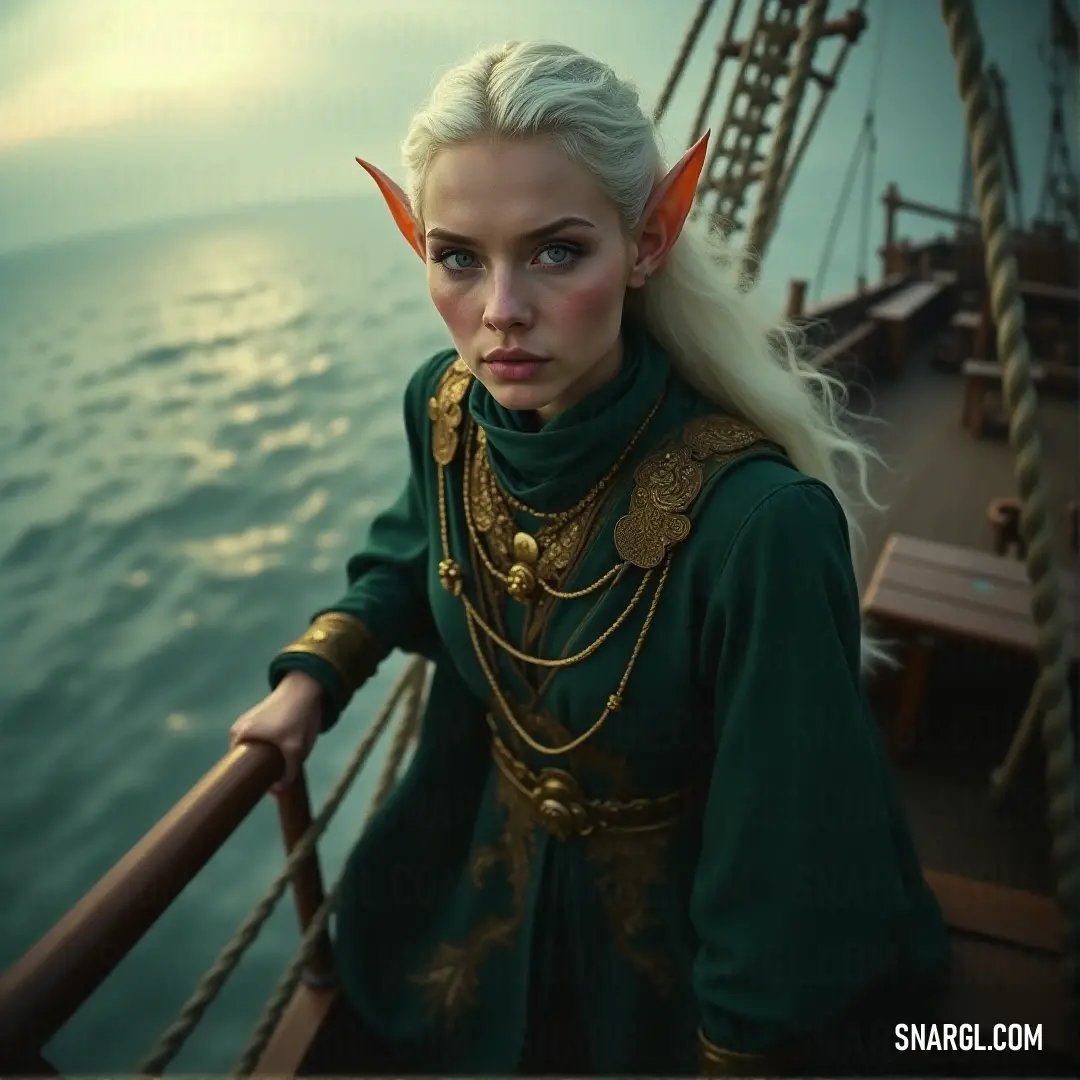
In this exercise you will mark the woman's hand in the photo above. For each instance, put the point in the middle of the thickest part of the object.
(288, 718)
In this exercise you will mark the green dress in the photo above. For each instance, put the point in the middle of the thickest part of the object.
(723, 861)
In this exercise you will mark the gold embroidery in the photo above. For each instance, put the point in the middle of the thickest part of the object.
(450, 981)
(444, 408)
(628, 865)
(668, 482)
(654, 523)
(714, 435)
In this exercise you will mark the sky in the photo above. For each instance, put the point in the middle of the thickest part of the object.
(115, 112)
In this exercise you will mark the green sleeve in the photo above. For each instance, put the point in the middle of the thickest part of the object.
(387, 579)
(801, 879)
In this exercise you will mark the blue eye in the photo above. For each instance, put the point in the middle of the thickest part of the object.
(568, 253)
(444, 257)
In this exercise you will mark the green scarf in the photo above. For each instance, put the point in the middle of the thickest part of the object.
(551, 467)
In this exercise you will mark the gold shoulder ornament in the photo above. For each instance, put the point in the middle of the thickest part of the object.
(444, 409)
(668, 482)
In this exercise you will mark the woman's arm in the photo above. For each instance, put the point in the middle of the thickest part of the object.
(386, 606)
(807, 874)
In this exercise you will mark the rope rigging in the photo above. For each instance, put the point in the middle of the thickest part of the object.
(1052, 692)
(767, 208)
(866, 143)
(409, 689)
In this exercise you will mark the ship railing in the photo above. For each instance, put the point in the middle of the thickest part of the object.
(42, 990)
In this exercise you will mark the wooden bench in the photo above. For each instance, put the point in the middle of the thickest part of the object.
(844, 356)
(982, 381)
(924, 591)
(900, 313)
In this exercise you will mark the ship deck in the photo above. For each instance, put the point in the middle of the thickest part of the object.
(936, 484)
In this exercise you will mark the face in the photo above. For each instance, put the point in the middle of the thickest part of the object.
(527, 257)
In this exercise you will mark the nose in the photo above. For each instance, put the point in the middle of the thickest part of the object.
(506, 305)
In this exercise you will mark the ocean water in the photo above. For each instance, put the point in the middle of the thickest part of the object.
(198, 421)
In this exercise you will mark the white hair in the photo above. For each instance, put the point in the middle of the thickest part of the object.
(717, 333)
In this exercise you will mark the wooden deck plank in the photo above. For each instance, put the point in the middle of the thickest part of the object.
(990, 985)
(991, 911)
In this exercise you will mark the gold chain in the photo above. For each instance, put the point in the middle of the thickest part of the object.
(614, 701)
(567, 661)
(491, 568)
(451, 577)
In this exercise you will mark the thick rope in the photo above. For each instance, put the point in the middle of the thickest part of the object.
(283, 993)
(1008, 311)
(767, 207)
(687, 46)
(172, 1040)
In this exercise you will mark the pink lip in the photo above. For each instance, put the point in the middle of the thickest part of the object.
(514, 364)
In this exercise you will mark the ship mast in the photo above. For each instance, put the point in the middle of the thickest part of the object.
(764, 56)
(1059, 205)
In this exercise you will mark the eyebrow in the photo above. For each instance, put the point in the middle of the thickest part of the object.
(533, 234)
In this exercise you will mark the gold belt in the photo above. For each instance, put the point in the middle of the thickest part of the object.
(557, 803)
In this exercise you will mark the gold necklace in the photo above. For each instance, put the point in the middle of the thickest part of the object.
(528, 554)
(450, 574)
(524, 574)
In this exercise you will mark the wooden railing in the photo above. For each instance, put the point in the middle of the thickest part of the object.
(48, 984)
(829, 320)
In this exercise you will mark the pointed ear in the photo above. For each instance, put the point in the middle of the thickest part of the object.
(665, 213)
(398, 202)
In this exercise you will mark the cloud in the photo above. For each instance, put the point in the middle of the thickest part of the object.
(86, 66)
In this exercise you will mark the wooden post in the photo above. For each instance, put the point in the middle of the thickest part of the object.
(913, 690)
(294, 813)
(892, 204)
(796, 301)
